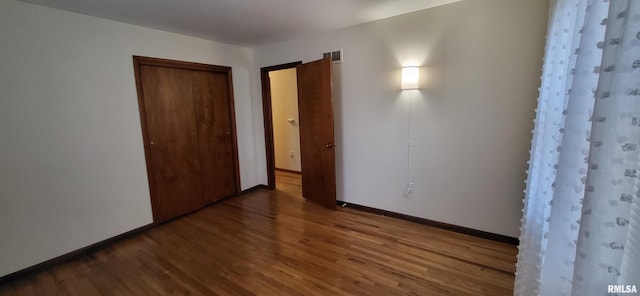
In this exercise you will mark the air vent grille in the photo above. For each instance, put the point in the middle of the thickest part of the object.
(336, 56)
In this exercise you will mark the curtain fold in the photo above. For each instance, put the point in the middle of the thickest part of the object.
(577, 227)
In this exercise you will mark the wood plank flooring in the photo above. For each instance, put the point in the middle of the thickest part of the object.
(289, 183)
(275, 243)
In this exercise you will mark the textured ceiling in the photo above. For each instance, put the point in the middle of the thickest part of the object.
(243, 22)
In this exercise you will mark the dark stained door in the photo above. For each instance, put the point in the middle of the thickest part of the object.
(215, 126)
(172, 148)
(317, 142)
(188, 127)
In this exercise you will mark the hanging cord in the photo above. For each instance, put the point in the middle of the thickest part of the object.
(409, 185)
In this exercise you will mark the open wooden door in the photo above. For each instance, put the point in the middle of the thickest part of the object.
(317, 142)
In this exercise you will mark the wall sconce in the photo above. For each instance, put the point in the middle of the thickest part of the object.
(410, 77)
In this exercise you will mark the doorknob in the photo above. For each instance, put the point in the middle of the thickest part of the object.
(329, 146)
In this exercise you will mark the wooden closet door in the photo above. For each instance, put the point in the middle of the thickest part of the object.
(214, 116)
(188, 126)
(173, 158)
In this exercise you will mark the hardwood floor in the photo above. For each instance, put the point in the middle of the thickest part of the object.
(275, 243)
(289, 183)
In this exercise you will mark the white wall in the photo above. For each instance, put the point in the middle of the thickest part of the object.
(471, 121)
(72, 166)
(284, 106)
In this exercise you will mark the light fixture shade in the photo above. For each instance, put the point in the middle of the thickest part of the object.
(410, 77)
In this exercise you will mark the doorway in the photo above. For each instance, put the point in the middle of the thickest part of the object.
(316, 129)
(282, 130)
(286, 130)
(268, 118)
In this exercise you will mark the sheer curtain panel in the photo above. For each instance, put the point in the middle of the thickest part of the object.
(580, 225)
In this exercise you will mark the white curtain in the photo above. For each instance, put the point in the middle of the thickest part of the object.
(581, 212)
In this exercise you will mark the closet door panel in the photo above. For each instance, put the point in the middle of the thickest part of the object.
(203, 88)
(224, 126)
(173, 152)
(212, 101)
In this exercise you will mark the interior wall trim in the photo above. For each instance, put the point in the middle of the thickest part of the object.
(446, 226)
(74, 254)
(95, 247)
